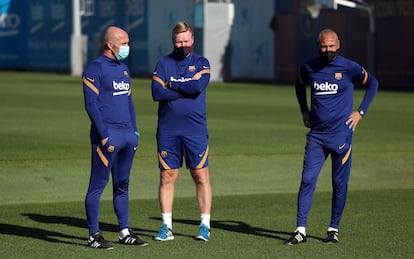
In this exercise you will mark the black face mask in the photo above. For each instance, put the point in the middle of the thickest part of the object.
(181, 53)
(328, 56)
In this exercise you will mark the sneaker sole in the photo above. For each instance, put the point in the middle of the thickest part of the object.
(202, 238)
(292, 244)
(143, 244)
(102, 248)
(162, 239)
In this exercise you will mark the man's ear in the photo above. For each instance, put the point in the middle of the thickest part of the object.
(109, 45)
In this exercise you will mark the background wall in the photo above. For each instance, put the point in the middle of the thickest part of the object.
(41, 37)
(295, 38)
(268, 41)
(252, 40)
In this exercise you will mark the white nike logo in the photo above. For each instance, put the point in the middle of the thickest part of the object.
(342, 146)
(202, 154)
(90, 79)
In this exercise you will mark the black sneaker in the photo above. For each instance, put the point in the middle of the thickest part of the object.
(97, 241)
(295, 238)
(132, 239)
(331, 238)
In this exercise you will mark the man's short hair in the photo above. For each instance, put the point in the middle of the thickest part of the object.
(181, 27)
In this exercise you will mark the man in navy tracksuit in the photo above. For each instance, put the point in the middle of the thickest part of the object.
(179, 85)
(114, 135)
(332, 121)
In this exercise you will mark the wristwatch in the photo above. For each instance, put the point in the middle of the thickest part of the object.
(361, 112)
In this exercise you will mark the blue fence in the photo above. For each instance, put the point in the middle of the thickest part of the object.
(36, 35)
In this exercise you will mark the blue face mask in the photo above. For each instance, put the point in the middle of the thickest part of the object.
(123, 52)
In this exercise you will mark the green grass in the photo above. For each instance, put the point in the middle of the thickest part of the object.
(256, 150)
(245, 226)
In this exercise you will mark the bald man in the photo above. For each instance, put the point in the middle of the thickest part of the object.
(332, 121)
(114, 135)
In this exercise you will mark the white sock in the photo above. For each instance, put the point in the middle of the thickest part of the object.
(205, 219)
(332, 229)
(123, 233)
(167, 219)
(302, 230)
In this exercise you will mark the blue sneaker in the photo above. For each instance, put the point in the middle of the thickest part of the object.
(164, 234)
(203, 233)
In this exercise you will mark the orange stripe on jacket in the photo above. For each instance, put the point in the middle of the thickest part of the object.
(205, 71)
(364, 81)
(90, 85)
(159, 80)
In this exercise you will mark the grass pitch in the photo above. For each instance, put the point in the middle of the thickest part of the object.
(256, 150)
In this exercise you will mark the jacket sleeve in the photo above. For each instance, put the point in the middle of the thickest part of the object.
(372, 87)
(91, 85)
(159, 89)
(300, 87)
(193, 88)
(132, 113)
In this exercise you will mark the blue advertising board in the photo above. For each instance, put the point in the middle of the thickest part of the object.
(49, 29)
(36, 34)
(13, 39)
(129, 15)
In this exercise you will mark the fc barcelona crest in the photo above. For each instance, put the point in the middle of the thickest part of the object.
(338, 75)
(191, 68)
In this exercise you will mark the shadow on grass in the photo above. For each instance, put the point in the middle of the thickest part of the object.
(69, 221)
(53, 236)
(30, 232)
(81, 223)
(241, 227)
